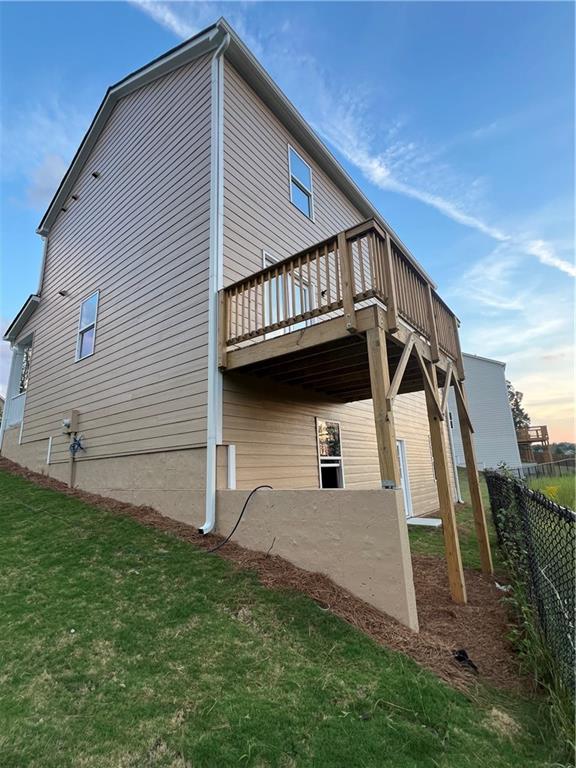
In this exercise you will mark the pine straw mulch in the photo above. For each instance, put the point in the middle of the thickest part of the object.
(479, 627)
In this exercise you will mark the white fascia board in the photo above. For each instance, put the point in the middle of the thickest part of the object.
(484, 359)
(17, 325)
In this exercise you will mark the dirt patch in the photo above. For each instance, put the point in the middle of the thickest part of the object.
(502, 723)
(479, 627)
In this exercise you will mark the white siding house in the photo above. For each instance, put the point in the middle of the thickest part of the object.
(494, 432)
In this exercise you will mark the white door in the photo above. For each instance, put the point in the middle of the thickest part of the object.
(404, 480)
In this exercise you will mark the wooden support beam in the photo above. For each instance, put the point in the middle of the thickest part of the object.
(347, 274)
(399, 374)
(305, 338)
(474, 486)
(449, 528)
(430, 384)
(461, 398)
(383, 419)
(446, 390)
(391, 301)
(434, 348)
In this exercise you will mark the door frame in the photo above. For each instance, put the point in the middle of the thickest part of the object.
(404, 476)
(335, 460)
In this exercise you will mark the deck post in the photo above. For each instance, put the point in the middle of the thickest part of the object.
(474, 484)
(434, 348)
(347, 274)
(459, 360)
(383, 418)
(391, 300)
(449, 529)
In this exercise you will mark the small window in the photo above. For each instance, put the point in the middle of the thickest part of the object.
(330, 454)
(87, 327)
(300, 183)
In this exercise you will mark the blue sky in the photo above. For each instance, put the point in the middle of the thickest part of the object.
(457, 120)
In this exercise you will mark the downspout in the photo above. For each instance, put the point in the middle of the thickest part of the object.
(215, 281)
(43, 265)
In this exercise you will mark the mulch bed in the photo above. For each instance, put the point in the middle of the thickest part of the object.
(480, 627)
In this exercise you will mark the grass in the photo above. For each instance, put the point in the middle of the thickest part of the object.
(123, 647)
(430, 541)
(560, 489)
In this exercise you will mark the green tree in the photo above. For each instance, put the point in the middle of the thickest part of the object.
(519, 415)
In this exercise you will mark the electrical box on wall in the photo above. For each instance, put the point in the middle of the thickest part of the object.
(70, 423)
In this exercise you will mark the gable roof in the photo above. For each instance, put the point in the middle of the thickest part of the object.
(254, 73)
(483, 359)
(184, 53)
(28, 308)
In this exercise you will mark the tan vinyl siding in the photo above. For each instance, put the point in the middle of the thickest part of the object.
(273, 427)
(274, 430)
(139, 234)
(258, 213)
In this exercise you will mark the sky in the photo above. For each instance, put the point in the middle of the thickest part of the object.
(456, 119)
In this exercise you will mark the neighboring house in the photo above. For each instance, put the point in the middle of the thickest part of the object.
(534, 444)
(220, 307)
(495, 436)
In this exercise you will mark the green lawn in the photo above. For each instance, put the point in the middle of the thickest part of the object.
(430, 541)
(124, 647)
(560, 489)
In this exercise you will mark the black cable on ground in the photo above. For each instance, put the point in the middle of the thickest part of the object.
(227, 539)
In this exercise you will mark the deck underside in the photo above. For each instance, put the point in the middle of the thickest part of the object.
(334, 364)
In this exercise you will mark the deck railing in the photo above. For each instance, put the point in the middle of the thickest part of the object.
(332, 278)
(532, 434)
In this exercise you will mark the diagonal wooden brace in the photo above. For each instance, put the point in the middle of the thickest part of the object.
(400, 370)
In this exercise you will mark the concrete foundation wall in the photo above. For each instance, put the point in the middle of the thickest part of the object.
(358, 538)
(172, 482)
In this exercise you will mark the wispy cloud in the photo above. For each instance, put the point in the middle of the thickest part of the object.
(38, 144)
(343, 119)
(384, 170)
(165, 16)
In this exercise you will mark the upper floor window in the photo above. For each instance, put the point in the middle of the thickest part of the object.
(87, 326)
(300, 183)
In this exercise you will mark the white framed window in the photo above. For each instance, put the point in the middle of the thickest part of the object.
(330, 460)
(87, 326)
(297, 304)
(301, 194)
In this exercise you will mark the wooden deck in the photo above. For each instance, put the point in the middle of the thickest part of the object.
(355, 318)
(328, 359)
(311, 312)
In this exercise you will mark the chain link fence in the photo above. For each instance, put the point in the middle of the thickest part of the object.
(557, 468)
(538, 539)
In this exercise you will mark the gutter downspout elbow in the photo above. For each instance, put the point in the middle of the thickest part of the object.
(215, 282)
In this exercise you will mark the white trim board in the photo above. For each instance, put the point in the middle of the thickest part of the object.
(428, 522)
